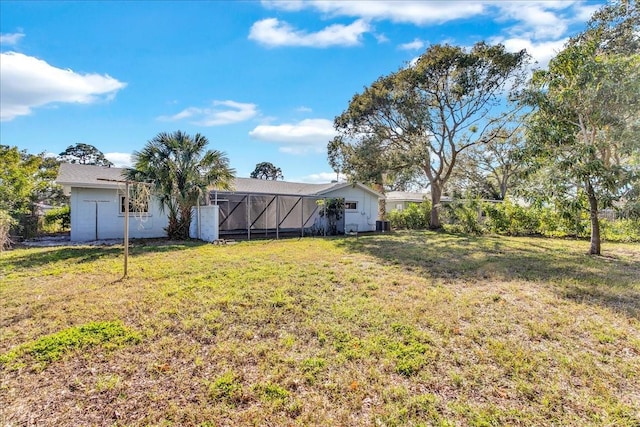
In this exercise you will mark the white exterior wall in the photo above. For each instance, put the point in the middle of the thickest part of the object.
(205, 223)
(366, 214)
(110, 222)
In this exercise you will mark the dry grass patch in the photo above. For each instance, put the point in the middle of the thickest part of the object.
(395, 329)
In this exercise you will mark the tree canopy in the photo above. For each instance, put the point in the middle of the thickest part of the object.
(586, 125)
(490, 170)
(423, 116)
(25, 181)
(181, 170)
(266, 170)
(84, 154)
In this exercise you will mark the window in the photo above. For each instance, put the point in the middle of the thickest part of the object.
(140, 207)
(351, 206)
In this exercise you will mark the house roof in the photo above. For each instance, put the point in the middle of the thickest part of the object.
(265, 186)
(89, 176)
(76, 175)
(262, 186)
(406, 196)
(409, 196)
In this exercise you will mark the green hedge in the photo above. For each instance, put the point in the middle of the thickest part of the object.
(507, 218)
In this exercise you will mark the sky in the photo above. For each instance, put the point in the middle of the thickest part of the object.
(262, 80)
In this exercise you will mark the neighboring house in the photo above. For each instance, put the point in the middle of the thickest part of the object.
(400, 200)
(97, 205)
(258, 206)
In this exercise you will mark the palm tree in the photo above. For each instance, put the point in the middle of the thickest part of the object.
(181, 171)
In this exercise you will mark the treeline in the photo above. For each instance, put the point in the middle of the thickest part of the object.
(474, 216)
(30, 200)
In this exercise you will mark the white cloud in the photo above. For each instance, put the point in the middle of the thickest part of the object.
(319, 178)
(539, 20)
(414, 12)
(542, 19)
(297, 138)
(416, 44)
(541, 52)
(536, 20)
(120, 160)
(11, 38)
(272, 32)
(289, 5)
(381, 38)
(221, 113)
(29, 82)
(303, 109)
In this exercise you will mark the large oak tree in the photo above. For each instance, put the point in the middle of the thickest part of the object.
(423, 116)
(268, 171)
(84, 154)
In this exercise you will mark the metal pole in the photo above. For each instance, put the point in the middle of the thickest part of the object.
(96, 220)
(248, 217)
(266, 220)
(126, 227)
(277, 217)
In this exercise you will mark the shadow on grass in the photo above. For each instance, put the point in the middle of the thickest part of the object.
(37, 257)
(612, 280)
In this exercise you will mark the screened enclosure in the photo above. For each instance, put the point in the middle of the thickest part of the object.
(274, 215)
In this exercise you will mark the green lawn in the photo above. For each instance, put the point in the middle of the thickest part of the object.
(408, 328)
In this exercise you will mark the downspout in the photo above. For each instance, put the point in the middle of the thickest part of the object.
(199, 223)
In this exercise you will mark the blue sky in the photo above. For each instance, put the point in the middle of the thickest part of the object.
(261, 80)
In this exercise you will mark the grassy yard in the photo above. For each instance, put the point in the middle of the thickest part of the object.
(402, 329)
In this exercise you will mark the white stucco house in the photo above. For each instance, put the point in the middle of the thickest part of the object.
(254, 206)
(97, 205)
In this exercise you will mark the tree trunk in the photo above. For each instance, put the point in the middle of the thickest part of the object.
(503, 188)
(382, 203)
(595, 223)
(172, 227)
(185, 222)
(436, 194)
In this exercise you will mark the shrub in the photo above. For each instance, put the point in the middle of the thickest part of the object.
(620, 230)
(60, 217)
(6, 223)
(512, 219)
(462, 216)
(414, 217)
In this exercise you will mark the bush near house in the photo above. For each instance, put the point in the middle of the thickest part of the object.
(413, 217)
(58, 219)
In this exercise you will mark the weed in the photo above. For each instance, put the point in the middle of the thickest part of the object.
(312, 367)
(49, 348)
(226, 388)
(107, 382)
